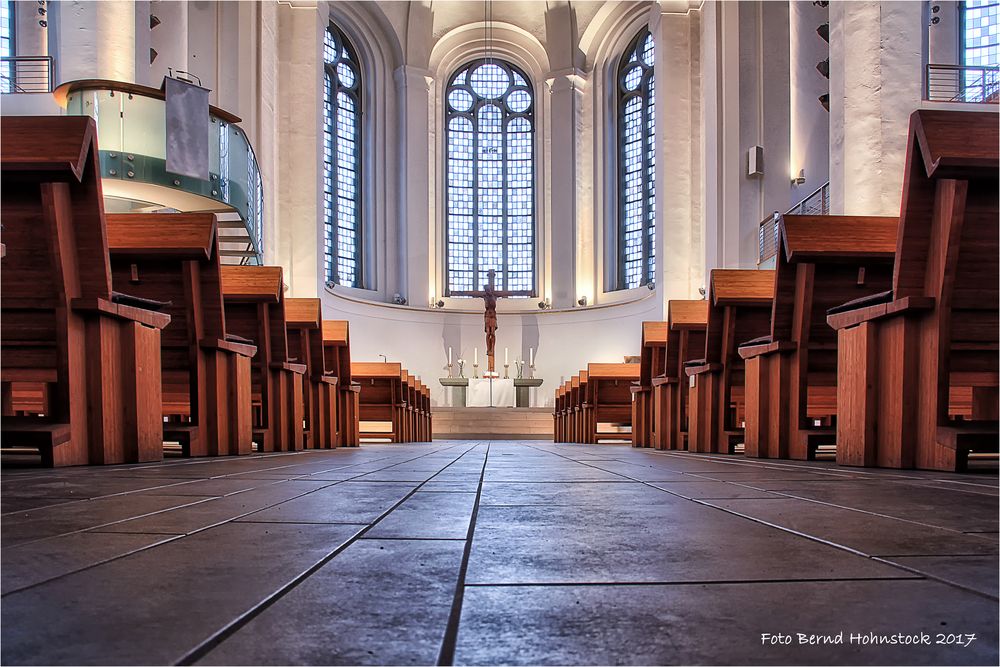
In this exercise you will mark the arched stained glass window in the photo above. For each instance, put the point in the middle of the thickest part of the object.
(490, 212)
(636, 165)
(980, 47)
(341, 160)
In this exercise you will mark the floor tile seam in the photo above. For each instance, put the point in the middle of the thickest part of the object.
(230, 628)
(817, 539)
(96, 529)
(774, 465)
(68, 502)
(168, 537)
(936, 577)
(914, 522)
(109, 523)
(690, 582)
(449, 642)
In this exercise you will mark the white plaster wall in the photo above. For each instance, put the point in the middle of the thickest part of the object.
(564, 341)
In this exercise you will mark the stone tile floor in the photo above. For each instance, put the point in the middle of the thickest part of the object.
(500, 552)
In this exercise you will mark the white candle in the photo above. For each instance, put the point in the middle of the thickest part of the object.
(505, 359)
(449, 356)
(475, 357)
(531, 356)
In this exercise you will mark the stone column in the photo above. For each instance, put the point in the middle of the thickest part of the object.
(95, 40)
(876, 75)
(679, 259)
(415, 229)
(723, 166)
(571, 249)
(299, 244)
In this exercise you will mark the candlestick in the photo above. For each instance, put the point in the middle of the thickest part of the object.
(475, 370)
(531, 374)
(505, 367)
(450, 375)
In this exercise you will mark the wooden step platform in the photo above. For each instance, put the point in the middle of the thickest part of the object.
(493, 423)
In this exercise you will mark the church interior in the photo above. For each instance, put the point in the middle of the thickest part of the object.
(570, 332)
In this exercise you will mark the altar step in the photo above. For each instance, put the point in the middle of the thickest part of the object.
(492, 423)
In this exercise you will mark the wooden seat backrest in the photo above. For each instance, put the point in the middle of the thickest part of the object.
(947, 248)
(610, 384)
(337, 348)
(305, 318)
(381, 382)
(739, 310)
(654, 340)
(826, 261)
(52, 211)
(171, 257)
(244, 290)
(686, 322)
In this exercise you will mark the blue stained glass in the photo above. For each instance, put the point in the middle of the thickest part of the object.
(980, 49)
(489, 169)
(636, 164)
(341, 161)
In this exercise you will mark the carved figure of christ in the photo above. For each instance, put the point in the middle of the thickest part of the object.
(489, 294)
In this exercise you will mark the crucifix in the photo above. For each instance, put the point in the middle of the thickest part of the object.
(489, 294)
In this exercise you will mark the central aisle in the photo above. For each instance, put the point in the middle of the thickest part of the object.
(488, 553)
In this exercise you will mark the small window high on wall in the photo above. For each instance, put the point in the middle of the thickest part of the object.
(636, 165)
(490, 195)
(341, 160)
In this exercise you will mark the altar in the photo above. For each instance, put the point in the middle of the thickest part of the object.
(476, 392)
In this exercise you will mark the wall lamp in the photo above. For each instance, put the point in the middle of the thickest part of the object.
(801, 178)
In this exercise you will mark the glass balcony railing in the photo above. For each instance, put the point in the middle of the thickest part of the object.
(131, 135)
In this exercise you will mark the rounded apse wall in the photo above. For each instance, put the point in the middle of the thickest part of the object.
(564, 341)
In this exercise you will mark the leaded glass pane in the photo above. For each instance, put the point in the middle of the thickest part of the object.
(6, 45)
(980, 48)
(636, 165)
(490, 178)
(341, 161)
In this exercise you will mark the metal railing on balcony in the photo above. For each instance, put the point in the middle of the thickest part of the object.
(25, 74)
(817, 203)
(963, 83)
(131, 136)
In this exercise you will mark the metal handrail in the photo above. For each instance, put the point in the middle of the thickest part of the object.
(978, 84)
(817, 203)
(25, 74)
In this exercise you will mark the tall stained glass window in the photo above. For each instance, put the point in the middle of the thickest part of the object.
(636, 165)
(490, 213)
(6, 45)
(980, 48)
(341, 160)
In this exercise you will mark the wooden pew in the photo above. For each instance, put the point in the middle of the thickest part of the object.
(739, 309)
(97, 352)
(409, 418)
(382, 397)
(686, 322)
(255, 310)
(651, 362)
(174, 258)
(337, 349)
(575, 416)
(305, 342)
(900, 353)
(791, 374)
(559, 414)
(608, 399)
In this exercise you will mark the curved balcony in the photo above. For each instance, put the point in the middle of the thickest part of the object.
(131, 133)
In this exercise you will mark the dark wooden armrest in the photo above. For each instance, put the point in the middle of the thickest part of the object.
(850, 318)
(662, 380)
(698, 369)
(236, 348)
(123, 299)
(107, 307)
(749, 351)
(288, 366)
